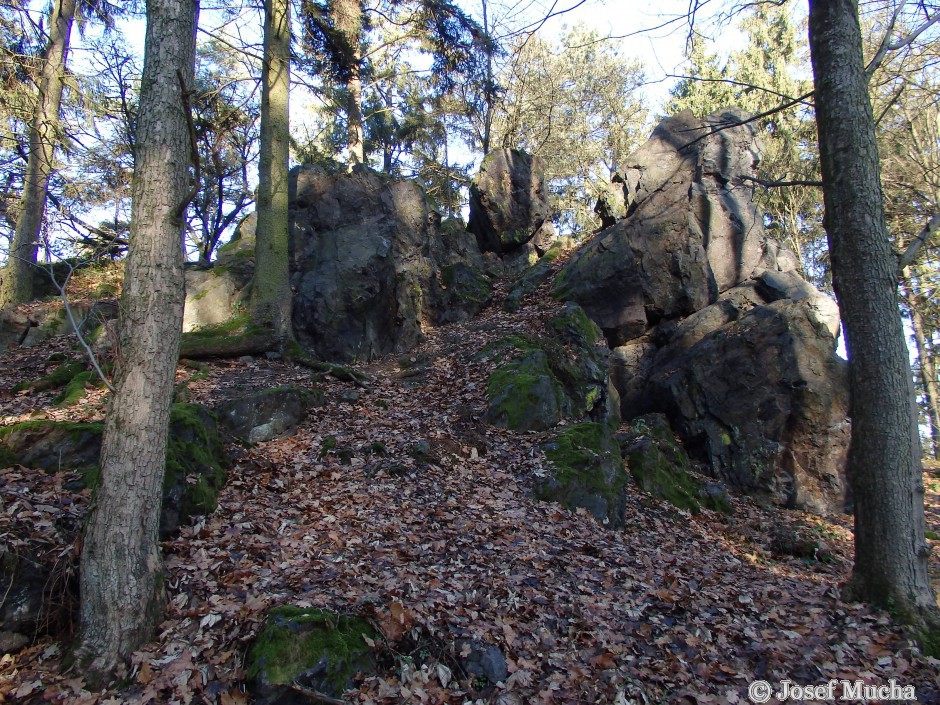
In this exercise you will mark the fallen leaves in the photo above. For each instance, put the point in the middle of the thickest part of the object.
(419, 516)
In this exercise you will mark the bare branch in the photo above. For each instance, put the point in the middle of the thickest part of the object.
(778, 184)
(914, 248)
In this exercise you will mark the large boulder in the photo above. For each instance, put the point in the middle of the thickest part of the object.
(765, 401)
(710, 322)
(509, 202)
(691, 231)
(371, 265)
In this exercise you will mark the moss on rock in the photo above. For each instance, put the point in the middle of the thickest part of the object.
(195, 459)
(524, 395)
(316, 648)
(586, 471)
(194, 452)
(660, 465)
(59, 377)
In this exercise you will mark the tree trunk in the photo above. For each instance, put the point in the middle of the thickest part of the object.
(271, 296)
(928, 371)
(121, 569)
(356, 138)
(347, 21)
(884, 458)
(17, 285)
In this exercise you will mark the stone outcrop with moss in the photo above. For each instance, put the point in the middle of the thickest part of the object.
(195, 469)
(585, 470)
(316, 650)
(710, 322)
(544, 379)
(659, 465)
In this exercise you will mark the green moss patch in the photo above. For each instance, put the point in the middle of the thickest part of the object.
(319, 649)
(586, 472)
(660, 465)
(525, 395)
(74, 391)
(59, 377)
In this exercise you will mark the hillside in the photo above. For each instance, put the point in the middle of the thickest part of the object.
(396, 502)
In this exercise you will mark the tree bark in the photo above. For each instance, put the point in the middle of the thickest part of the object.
(884, 459)
(122, 591)
(928, 371)
(271, 296)
(347, 21)
(17, 285)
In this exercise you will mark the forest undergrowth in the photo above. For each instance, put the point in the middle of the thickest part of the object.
(397, 502)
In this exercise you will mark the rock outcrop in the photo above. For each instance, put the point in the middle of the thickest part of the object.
(371, 265)
(710, 322)
(509, 203)
(558, 376)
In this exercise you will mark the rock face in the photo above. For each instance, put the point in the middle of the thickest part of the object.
(371, 265)
(267, 414)
(710, 322)
(509, 202)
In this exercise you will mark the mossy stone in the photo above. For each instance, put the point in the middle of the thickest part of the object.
(318, 649)
(660, 465)
(586, 471)
(195, 459)
(59, 377)
(194, 452)
(524, 395)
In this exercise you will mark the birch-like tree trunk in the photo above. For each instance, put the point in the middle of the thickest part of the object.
(17, 284)
(271, 290)
(884, 460)
(122, 592)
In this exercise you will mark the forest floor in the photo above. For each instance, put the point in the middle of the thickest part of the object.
(448, 544)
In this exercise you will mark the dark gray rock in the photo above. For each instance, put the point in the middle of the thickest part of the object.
(508, 201)
(764, 400)
(482, 660)
(261, 416)
(691, 231)
(371, 264)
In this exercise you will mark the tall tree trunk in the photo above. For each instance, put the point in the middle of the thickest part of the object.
(271, 297)
(884, 458)
(347, 21)
(17, 285)
(489, 93)
(122, 591)
(928, 371)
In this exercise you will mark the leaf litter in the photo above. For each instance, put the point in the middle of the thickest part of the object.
(395, 501)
